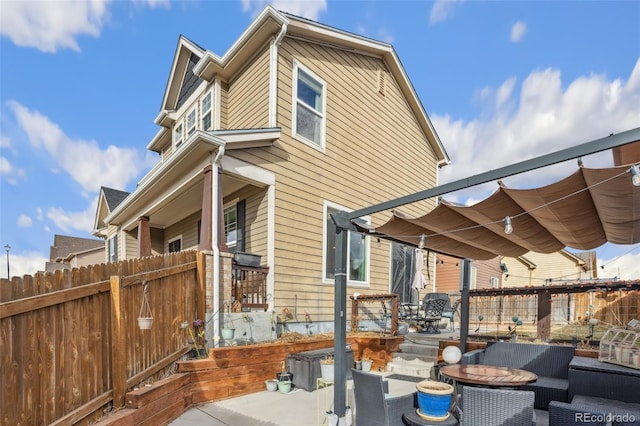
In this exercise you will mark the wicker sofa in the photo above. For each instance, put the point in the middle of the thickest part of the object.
(593, 411)
(549, 362)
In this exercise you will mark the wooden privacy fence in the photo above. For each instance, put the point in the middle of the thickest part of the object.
(70, 345)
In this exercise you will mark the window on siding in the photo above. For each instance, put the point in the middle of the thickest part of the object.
(175, 245)
(231, 227)
(357, 254)
(494, 282)
(177, 135)
(309, 110)
(113, 249)
(191, 122)
(205, 112)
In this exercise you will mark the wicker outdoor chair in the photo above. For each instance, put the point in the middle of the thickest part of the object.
(565, 414)
(496, 407)
(373, 406)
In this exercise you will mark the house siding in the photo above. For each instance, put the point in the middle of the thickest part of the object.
(187, 229)
(553, 266)
(248, 95)
(357, 169)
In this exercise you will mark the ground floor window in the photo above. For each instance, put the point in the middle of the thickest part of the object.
(357, 253)
(175, 245)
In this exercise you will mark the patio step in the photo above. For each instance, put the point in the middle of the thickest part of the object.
(416, 357)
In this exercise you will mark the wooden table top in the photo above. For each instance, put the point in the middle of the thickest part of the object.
(488, 375)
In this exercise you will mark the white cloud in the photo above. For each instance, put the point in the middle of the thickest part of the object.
(24, 221)
(39, 214)
(84, 160)
(441, 10)
(517, 31)
(309, 9)
(26, 263)
(5, 142)
(626, 267)
(5, 166)
(543, 117)
(52, 25)
(69, 221)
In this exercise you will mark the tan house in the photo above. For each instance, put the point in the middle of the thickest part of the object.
(538, 269)
(484, 274)
(74, 252)
(258, 146)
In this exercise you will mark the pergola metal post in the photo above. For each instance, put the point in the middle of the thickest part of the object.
(342, 223)
(465, 285)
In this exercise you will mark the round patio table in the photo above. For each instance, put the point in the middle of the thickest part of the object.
(488, 375)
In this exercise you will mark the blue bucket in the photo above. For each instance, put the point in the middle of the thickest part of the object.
(434, 399)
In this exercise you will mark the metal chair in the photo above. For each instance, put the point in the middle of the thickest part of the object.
(433, 309)
(450, 313)
(496, 407)
(373, 406)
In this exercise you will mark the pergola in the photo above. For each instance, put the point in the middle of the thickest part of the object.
(547, 219)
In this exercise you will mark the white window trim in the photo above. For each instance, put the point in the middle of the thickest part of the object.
(294, 110)
(179, 237)
(325, 217)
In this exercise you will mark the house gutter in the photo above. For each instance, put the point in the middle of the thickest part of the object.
(216, 248)
(273, 76)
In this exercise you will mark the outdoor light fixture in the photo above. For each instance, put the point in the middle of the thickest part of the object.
(508, 228)
(635, 175)
(421, 243)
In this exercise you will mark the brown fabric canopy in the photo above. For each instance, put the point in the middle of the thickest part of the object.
(582, 211)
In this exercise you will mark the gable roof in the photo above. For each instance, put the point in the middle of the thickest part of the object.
(64, 245)
(108, 200)
(271, 23)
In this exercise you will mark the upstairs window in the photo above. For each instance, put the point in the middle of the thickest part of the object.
(309, 110)
(205, 112)
(177, 135)
(191, 122)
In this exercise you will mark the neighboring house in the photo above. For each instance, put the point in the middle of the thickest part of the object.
(538, 269)
(484, 274)
(73, 252)
(259, 146)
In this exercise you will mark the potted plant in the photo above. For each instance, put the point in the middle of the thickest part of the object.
(284, 379)
(228, 331)
(434, 399)
(327, 368)
(366, 363)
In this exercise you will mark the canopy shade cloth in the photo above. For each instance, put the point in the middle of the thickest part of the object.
(583, 211)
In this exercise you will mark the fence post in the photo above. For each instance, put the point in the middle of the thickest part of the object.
(544, 316)
(201, 271)
(118, 365)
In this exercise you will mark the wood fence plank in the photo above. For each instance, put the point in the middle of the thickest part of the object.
(118, 365)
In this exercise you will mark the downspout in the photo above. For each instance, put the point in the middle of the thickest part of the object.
(216, 248)
(273, 77)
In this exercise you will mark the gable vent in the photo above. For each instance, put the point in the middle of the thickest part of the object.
(382, 81)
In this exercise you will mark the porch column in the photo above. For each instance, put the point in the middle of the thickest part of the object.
(144, 237)
(222, 240)
(544, 316)
(206, 216)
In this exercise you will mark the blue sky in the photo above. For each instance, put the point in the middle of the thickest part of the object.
(502, 81)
